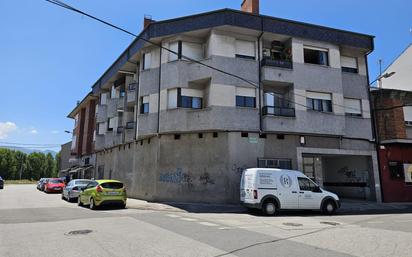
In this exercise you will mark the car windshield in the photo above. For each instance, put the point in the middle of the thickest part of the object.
(55, 181)
(82, 182)
(112, 185)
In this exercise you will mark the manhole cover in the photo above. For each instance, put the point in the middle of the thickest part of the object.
(79, 232)
(329, 223)
(292, 224)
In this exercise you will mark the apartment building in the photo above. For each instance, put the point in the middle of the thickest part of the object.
(393, 114)
(239, 90)
(82, 146)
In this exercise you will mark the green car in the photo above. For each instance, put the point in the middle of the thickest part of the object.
(103, 192)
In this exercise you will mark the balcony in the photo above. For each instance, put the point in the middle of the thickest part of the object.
(267, 61)
(278, 111)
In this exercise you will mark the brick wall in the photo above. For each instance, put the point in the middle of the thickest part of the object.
(390, 121)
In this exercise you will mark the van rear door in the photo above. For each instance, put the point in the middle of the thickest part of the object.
(247, 185)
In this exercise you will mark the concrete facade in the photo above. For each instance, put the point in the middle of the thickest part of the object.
(175, 130)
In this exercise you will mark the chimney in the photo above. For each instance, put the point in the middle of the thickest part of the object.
(147, 21)
(251, 6)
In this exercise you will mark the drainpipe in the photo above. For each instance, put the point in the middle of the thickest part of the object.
(260, 79)
(373, 127)
(136, 102)
(158, 92)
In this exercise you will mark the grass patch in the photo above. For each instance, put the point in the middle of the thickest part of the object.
(20, 182)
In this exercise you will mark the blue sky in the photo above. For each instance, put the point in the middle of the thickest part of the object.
(50, 57)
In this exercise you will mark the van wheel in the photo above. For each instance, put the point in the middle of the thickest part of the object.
(269, 208)
(329, 207)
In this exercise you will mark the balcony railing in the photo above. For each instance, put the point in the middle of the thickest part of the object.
(277, 63)
(278, 111)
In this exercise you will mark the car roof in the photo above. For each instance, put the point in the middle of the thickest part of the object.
(100, 181)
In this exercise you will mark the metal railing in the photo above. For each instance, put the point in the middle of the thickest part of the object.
(277, 63)
(278, 111)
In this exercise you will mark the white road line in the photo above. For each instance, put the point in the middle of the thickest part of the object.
(403, 221)
(205, 223)
(188, 219)
(173, 216)
(224, 228)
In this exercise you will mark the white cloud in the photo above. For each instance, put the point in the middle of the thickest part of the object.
(6, 128)
(54, 132)
(33, 131)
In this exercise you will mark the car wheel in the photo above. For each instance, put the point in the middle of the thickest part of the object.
(269, 208)
(63, 197)
(79, 202)
(123, 206)
(329, 207)
(92, 204)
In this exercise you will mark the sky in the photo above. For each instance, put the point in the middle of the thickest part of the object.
(50, 57)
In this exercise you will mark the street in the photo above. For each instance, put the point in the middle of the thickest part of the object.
(33, 223)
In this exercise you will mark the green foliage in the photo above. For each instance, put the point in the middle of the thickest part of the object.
(15, 165)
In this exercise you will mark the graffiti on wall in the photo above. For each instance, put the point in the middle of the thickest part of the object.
(353, 176)
(175, 177)
(206, 179)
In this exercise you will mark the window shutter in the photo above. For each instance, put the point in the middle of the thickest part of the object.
(192, 50)
(317, 95)
(353, 106)
(349, 62)
(174, 46)
(407, 113)
(245, 48)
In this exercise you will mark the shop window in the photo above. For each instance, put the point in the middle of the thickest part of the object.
(396, 170)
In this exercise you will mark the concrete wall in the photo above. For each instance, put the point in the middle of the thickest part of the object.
(197, 169)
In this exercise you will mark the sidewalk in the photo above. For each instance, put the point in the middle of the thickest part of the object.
(349, 207)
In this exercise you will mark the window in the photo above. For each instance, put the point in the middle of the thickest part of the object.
(101, 129)
(130, 125)
(187, 98)
(103, 98)
(321, 102)
(353, 107)
(244, 134)
(316, 56)
(122, 92)
(144, 108)
(396, 170)
(306, 184)
(110, 124)
(407, 114)
(175, 47)
(275, 163)
(349, 64)
(245, 49)
(177, 136)
(147, 61)
(215, 134)
(191, 50)
(87, 161)
(245, 101)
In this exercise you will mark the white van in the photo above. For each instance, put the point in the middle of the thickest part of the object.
(271, 190)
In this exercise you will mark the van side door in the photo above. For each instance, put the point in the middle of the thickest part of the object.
(310, 196)
(288, 191)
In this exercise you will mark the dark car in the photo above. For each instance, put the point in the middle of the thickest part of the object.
(1, 183)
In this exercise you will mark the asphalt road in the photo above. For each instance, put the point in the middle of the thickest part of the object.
(33, 223)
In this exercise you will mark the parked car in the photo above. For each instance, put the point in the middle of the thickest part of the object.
(40, 184)
(54, 185)
(1, 183)
(73, 188)
(271, 190)
(103, 192)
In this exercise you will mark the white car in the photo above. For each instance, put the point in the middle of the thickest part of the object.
(271, 190)
(72, 190)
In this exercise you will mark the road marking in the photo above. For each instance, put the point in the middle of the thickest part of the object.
(375, 222)
(224, 228)
(173, 216)
(205, 223)
(188, 219)
(403, 221)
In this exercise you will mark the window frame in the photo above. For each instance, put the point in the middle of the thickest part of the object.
(241, 101)
(321, 102)
(319, 50)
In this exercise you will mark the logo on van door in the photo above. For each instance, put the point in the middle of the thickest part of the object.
(286, 180)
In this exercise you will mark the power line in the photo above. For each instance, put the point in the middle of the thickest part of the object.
(66, 6)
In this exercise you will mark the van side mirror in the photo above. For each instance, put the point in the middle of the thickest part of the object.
(317, 190)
